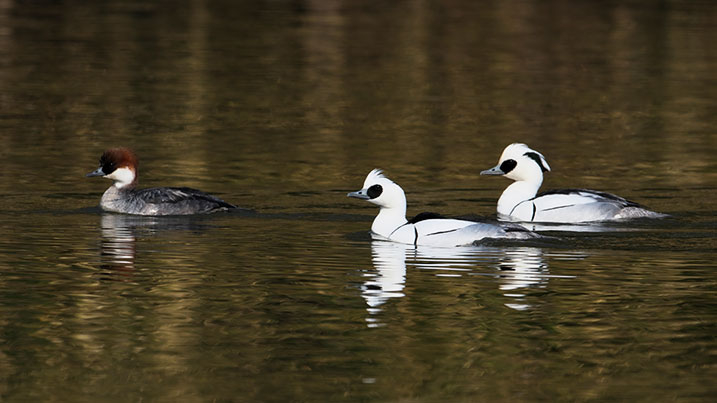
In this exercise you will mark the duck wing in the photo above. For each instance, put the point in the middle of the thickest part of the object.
(576, 205)
(180, 195)
(584, 196)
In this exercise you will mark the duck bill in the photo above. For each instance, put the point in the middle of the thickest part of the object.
(360, 194)
(96, 172)
(493, 171)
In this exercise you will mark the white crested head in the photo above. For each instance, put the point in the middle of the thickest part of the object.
(520, 163)
(374, 175)
(523, 165)
(380, 190)
(386, 194)
(120, 165)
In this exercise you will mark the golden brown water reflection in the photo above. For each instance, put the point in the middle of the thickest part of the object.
(283, 107)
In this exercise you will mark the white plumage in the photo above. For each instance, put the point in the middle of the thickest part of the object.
(426, 228)
(521, 202)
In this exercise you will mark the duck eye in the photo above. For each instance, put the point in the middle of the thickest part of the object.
(108, 167)
(507, 166)
(374, 191)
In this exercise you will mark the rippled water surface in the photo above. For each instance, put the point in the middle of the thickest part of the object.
(284, 107)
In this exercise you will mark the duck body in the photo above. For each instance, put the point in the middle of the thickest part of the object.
(521, 202)
(443, 232)
(426, 228)
(574, 206)
(161, 201)
(121, 166)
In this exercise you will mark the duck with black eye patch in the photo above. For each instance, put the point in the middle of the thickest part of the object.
(520, 201)
(426, 228)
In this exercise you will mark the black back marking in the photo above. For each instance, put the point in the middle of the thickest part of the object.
(558, 207)
(507, 166)
(535, 157)
(534, 209)
(374, 191)
(443, 232)
(516, 206)
(424, 216)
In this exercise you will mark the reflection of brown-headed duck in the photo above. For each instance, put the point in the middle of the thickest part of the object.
(520, 203)
(120, 165)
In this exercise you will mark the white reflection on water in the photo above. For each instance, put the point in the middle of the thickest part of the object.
(515, 269)
(118, 244)
(389, 260)
(521, 268)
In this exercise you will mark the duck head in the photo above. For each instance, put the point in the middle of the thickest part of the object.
(120, 165)
(390, 198)
(520, 163)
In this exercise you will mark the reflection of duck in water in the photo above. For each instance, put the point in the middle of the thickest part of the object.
(120, 231)
(425, 228)
(519, 201)
(521, 268)
(389, 260)
(118, 244)
(517, 268)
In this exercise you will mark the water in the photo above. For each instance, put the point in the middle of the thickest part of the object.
(283, 108)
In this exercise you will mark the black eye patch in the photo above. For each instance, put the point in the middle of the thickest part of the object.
(535, 157)
(374, 191)
(107, 166)
(508, 166)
